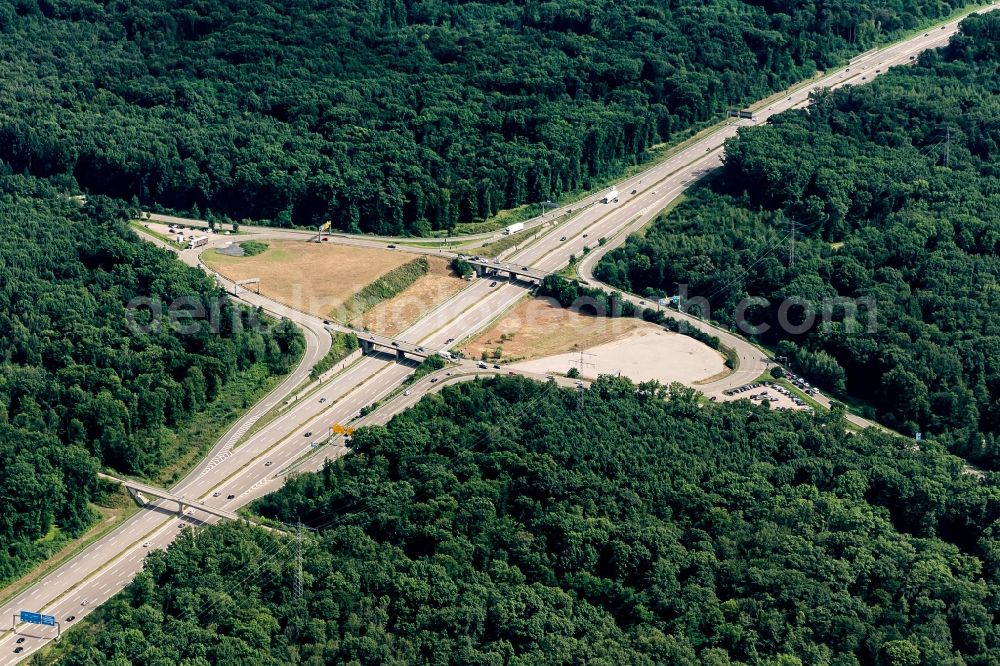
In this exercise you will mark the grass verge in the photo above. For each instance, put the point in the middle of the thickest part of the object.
(109, 519)
(192, 440)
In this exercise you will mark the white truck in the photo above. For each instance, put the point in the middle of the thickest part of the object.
(611, 197)
(513, 229)
(197, 241)
(445, 355)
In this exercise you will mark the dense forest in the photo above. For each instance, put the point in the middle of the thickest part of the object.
(395, 116)
(506, 521)
(81, 384)
(892, 191)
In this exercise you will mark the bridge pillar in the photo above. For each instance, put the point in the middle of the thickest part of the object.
(180, 508)
(513, 276)
(400, 356)
(480, 270)
(366, 346)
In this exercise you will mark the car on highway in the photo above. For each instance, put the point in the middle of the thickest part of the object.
(585, 235)
(433, 379)
(391, 247)
(21, 639)
(145, 545)
(407, 392)
(493, 284)
(71, 618)
(268, 463)
(420, 348)
(550, 378)
(395, 344)
(18, 650)
(229, 497)
(308, 433)
(84, 602)
(216, 493)
(562, 239)
(633, 191)
(326, 321)
(322, 400)
(496, 366)
(449, 341)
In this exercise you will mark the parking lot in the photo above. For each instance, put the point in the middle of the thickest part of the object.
(777, 395)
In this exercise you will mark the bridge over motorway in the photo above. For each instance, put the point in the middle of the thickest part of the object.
(182, 503)
(488, 267)
(402, 349)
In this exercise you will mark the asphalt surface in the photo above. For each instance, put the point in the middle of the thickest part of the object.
(287, 441)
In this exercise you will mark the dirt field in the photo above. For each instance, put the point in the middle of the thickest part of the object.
(392, 316)
(311, 277)
(539, 327)
(646, 353)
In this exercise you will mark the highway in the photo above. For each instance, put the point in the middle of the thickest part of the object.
(236, 471)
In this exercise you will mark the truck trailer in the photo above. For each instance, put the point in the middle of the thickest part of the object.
(513, 229)
(611, 197)
(197, 241)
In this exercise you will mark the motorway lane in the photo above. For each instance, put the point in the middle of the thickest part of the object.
(655, 188)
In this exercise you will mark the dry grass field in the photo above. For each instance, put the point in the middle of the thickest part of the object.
(540, 327)
(311, 277)
(396, 314)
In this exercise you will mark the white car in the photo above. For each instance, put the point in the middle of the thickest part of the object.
(145, 545)
(407, 392)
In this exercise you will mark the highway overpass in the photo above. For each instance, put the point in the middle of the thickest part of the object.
(182, 503)
(496, 267)
(402, 349)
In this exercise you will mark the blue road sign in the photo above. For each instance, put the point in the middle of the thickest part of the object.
(38, 618)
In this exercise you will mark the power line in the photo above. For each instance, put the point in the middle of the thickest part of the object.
(298, 563)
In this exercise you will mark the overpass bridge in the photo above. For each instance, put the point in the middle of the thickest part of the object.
(182, 503)
(402, 349)
(497, 267)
